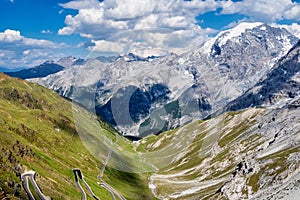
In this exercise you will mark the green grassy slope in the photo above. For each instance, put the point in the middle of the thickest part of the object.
(37, 132)
(232, 156)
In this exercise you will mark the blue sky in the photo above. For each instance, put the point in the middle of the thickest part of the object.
(32, 31)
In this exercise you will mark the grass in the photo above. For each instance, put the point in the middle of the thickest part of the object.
(38, 119)
(234, 134)
(276, 165)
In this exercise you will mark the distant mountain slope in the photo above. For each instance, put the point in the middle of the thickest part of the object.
(42, 70)
(3, 69)
(193, 85)
(38, 133)
(45, 69)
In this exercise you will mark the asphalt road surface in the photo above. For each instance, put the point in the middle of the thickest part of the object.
(31, 176)
(78, 175)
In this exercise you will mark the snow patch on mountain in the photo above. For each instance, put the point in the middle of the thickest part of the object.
(235, 32)
(226, 35)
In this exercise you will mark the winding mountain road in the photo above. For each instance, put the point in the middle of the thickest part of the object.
(25, 184)
(78, 175)
(103, 184)
(30, 176)
(111, 190)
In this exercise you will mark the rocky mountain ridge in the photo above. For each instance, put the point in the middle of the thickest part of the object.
(279, 85)
(194, 84)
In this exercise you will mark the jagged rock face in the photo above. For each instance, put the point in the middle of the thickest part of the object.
(241, 56)
(228, 65)
(248, 154)
(139, 102)
(193, 85)
(260, 41)
(282, 83)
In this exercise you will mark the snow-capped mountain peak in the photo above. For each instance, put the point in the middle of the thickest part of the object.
(255, 35)
(237, 31)
(224, 36)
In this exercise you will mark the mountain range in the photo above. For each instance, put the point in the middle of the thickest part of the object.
(167, 92)
(218, 122)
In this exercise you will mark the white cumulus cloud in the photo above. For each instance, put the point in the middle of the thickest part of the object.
(109, 19)
(294, 28)
(17, 50)
(293, 13)
(26, 52)
(81, 4)
(264, 10)
(107, 46)
(46, 31)
(129, 9)
(10, 36)
(172, 22)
